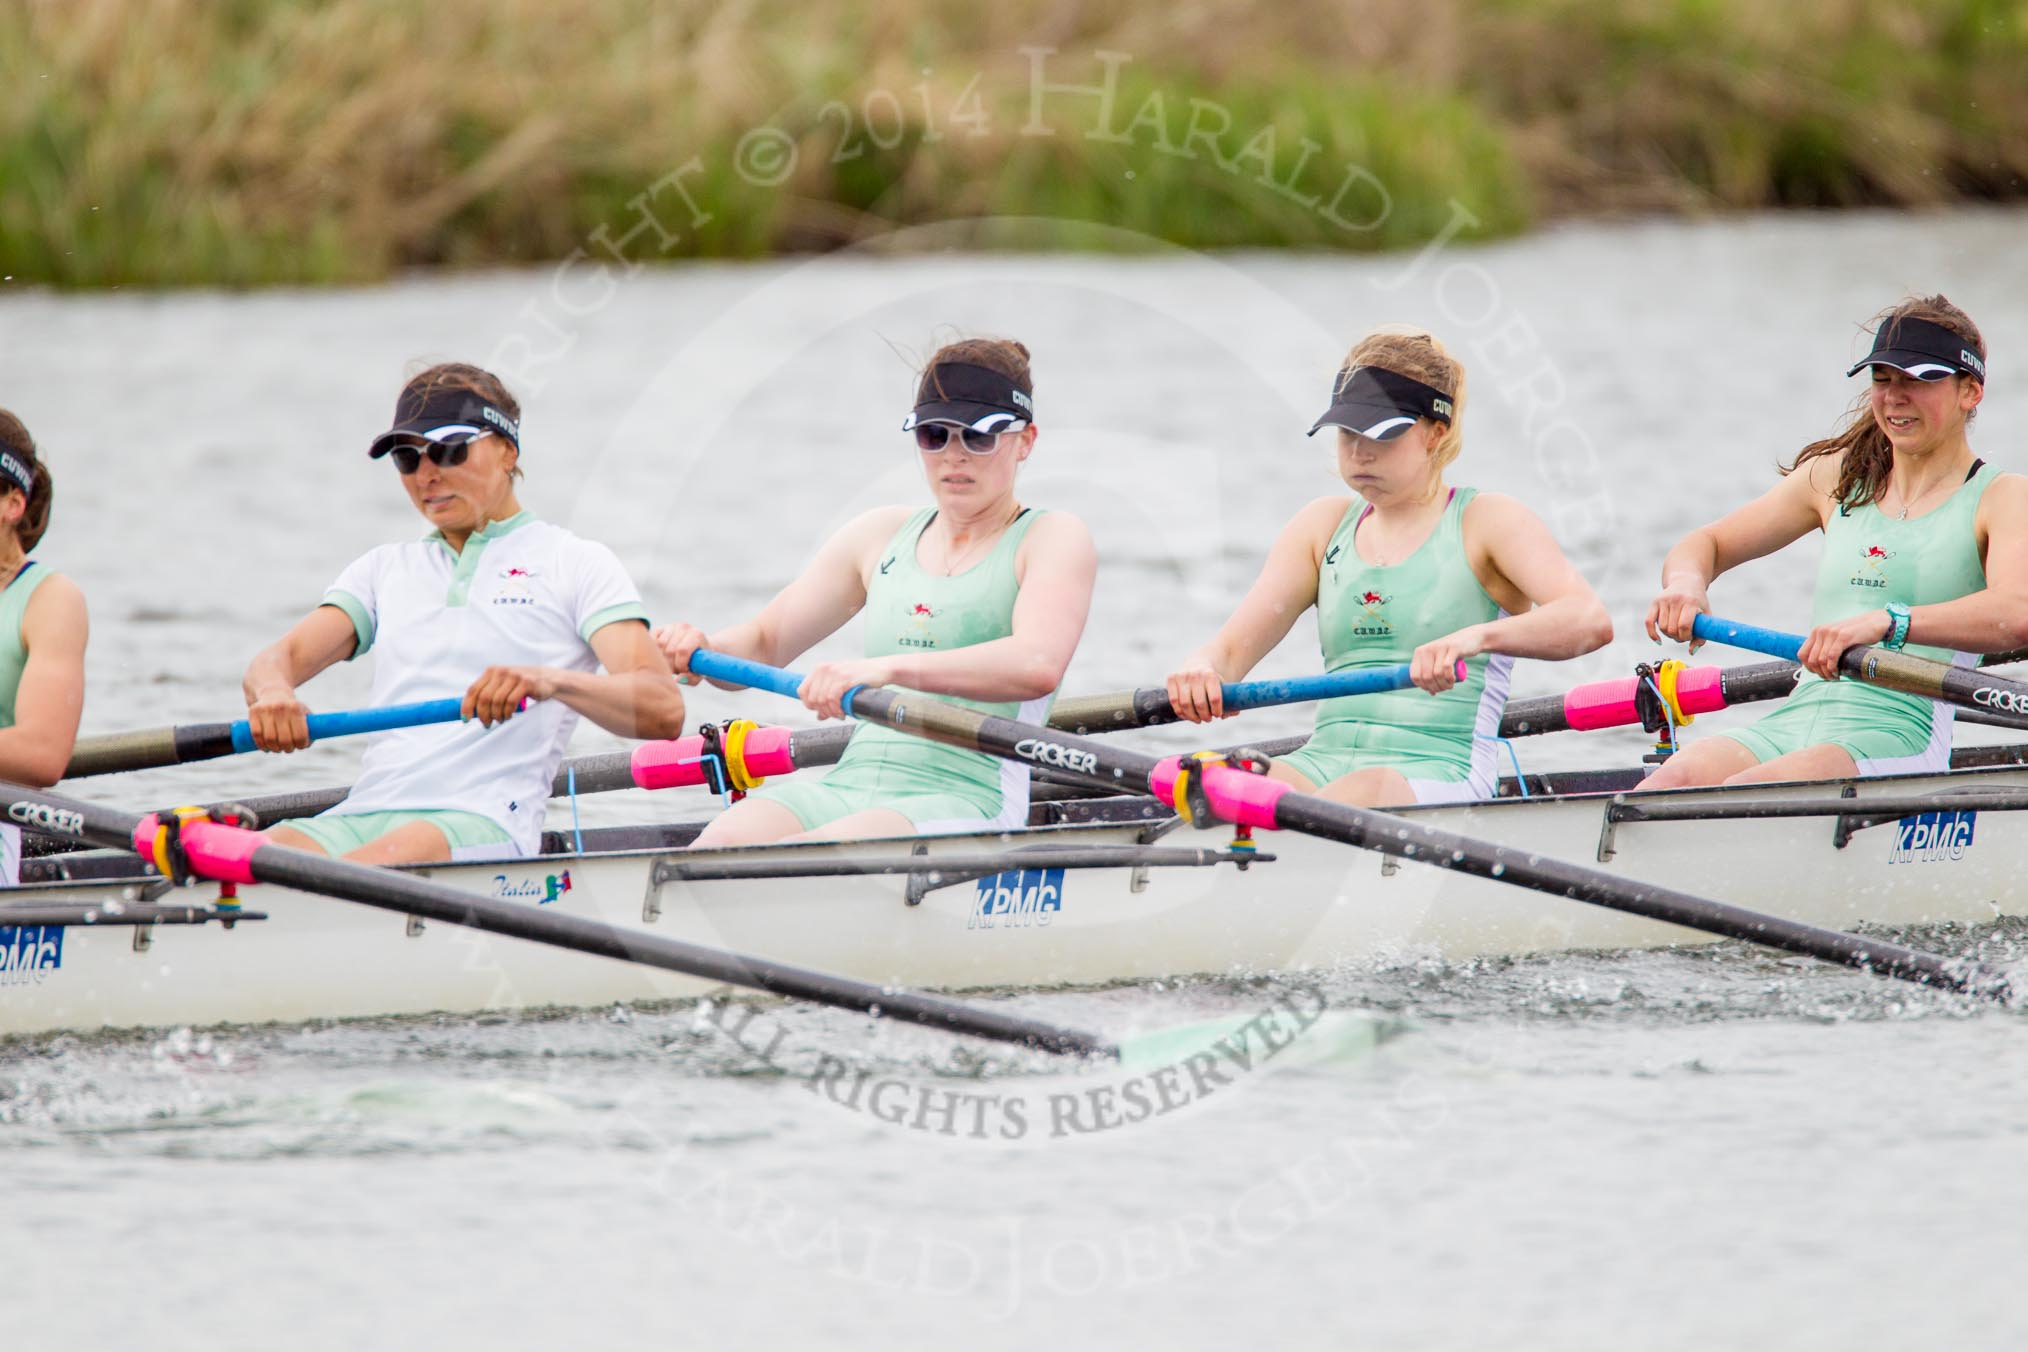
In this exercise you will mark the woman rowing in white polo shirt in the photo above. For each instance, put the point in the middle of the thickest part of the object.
(491, 603)
(42, 636)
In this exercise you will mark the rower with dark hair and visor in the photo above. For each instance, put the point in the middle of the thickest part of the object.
(978, 599)
(1925, 549)
(491, 606)
(1405, 570)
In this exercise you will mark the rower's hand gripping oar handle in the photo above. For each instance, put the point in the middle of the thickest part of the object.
(351, 722)
(1753, 638)
(732, 670)
(1240, 695)
(1999, 701)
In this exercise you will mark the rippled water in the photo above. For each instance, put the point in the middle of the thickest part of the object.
(1693, 1149)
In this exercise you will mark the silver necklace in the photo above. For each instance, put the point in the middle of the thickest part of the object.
(951, 560)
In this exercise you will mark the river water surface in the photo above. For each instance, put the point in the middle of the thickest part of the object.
(1699, 1149)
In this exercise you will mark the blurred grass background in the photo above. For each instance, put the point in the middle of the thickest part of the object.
(245, 142)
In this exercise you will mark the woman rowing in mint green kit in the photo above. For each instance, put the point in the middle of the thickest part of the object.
(979, 600)
(1406, 570)
(1925, 547)
(491, 603)
(42, 636)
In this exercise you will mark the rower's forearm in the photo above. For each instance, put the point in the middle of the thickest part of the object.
(645, 704)
(1569, 627)
(751, 641)
(270, 673)
(1002, 669)
(1692, 563)
(1986, 621)
(33, 757)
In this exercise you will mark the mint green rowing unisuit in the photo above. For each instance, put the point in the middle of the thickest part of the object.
(1377, 615)
(1871, 558)
(938, 788)
(13, 651)
(13, 661)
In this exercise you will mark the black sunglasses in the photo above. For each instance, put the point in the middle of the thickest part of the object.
(931, 437)
(408, 457)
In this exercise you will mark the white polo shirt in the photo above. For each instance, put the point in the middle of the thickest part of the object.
(522, 593)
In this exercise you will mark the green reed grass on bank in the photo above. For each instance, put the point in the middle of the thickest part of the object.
(253, 141)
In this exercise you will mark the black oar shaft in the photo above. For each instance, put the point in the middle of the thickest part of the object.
(1116, 767)
(1121, 710)
(406, 894)
(1999, 701)
(147, 749)
(1409, 840)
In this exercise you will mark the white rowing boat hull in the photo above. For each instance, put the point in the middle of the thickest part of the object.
(1316, 904)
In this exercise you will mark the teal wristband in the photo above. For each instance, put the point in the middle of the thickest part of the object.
(1897, 633)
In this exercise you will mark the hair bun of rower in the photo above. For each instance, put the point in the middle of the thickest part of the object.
(1004, 355)
(34, 521)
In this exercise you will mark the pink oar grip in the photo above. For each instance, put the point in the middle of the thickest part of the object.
(216, 851)
(1603, 704)
(669, 764)
(768, 751)
(1701, 690)
(1235, 795)
(679, 763)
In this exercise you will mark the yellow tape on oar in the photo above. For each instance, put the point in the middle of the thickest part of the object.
(1665, 682)
(733, 739)
(1188, 792)
(164, 854)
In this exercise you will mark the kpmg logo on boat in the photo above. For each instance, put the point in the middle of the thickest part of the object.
(28, 953)
(1933, 837)
(1027, 898)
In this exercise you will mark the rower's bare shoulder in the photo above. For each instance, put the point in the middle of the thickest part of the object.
(869, 532)
(1319, 518)
(57, 599)
(1818, 476)
(2005, 500)
(1064, 540)
(1493, 510)
(1308, 533)
(1055, 529)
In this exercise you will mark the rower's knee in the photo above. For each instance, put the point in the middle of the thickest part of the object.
(756, 821)
(292, 839)
(414, 843)
(1370, 788)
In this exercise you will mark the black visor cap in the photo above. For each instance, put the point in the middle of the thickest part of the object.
(1925, 350)
(971, 396)
(1381, 404)
(442, 415)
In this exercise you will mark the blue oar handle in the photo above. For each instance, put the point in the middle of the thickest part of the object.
(1243, 695)
(755, 675)
(1331, 685)
(1751, 637)
(350, 722)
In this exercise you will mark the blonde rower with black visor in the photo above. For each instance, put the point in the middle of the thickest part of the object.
(490, 605)
(1405, 570)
